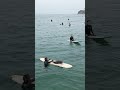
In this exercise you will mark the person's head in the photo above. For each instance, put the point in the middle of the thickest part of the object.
(88, 22)
(26, 77)
(46, 59)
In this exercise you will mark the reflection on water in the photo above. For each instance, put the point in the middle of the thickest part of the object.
(101, 41)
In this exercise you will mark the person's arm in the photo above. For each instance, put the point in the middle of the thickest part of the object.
(50, 61)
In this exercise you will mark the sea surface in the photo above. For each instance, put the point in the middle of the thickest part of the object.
(103, 59)
(51, 40)
(16, 41)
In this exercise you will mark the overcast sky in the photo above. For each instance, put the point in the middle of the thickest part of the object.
(58, 6)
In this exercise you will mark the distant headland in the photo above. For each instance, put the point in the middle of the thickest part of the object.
(81, 12)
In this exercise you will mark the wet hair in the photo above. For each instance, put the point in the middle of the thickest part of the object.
(45, 58)
(26, 78)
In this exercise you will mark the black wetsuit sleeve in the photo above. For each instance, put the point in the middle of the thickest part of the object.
(50, 61)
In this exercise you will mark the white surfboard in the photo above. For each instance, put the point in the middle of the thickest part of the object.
(18, 79)
(74, 41)
(64, 65)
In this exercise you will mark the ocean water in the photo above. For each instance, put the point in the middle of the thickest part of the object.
(17, 41)
(51, 40)
(103, 61)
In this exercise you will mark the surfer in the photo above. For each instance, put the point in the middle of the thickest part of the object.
(51, 20)
(27, 82)
(88, 29)
(62, 23)
(71, 38)
(46, 62)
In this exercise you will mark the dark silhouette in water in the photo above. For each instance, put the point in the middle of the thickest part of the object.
(71, 38)
(88, 29)
(89, 32)
(51, 20)
(101, 41)
(68, 18)
(46, 62)
(27, 83)
(69, 24)
(62, 23)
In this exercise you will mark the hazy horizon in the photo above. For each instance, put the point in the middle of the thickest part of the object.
(58, 6)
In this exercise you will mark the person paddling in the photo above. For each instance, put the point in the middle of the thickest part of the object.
(27, 83)
(46, 62)
(71, 38)
(88, 29)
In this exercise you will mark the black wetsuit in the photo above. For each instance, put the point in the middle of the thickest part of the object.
(71, 38)
(88, 30)
(46, 63)
(27, 85)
